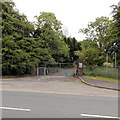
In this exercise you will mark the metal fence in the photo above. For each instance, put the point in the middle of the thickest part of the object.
(56, 69)
(109, 72)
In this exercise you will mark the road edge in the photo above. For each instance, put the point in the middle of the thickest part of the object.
(96, 85)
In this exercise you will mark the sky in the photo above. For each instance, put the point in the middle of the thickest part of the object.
(73, 14)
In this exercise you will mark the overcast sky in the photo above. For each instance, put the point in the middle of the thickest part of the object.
(73, 14)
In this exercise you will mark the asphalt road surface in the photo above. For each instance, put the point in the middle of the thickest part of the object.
(56, 97)
(45, 105)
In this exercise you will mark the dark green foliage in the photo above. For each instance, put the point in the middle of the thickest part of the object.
(48, 28)
(73, 45)
(16, 32)
(115, 45)
(20, 51)
(25, 45)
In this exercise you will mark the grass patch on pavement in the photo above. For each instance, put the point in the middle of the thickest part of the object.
(102, 78)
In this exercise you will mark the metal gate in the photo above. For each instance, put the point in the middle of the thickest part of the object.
(57, 69)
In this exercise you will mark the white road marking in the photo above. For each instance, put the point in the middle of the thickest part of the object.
(8, 108)
(98, 116)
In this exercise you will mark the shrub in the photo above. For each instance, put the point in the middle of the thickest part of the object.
(108, 64)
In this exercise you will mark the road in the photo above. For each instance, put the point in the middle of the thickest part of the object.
(45, 105)
(56, 97)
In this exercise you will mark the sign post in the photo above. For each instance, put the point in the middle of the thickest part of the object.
(79, 70)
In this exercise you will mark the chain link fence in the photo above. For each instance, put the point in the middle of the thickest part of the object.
(108, 72)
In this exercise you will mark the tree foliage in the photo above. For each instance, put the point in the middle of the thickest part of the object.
(102, 36)
(89, 53)
(25, 44)
(97, 31)
(20, 50)
(48, 28)
(73, 45)
(15, 28)
(115, 33)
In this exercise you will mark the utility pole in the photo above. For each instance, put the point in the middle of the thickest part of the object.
(107, 58)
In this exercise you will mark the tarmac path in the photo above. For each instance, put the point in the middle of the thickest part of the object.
(54, 84)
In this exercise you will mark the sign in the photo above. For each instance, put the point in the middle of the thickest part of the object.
(79, 70)
(80, 65)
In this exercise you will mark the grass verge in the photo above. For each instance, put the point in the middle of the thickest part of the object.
(102, 78)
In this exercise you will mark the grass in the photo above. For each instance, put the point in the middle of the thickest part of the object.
(102, 78)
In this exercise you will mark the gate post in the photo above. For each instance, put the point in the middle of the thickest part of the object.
(79, 70)
(34, 71)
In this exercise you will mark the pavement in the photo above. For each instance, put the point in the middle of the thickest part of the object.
(100, 83)
(54, 84)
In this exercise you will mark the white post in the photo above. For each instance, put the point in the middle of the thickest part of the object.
(44, 71)
(37, 71)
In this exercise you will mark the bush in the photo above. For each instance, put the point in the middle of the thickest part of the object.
(108, 64)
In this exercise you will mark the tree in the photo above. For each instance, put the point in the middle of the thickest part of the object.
(114, 36)
(89, 53)
(115, 32)
(97, 31)
(73, 45)
(15, 28)
(100, 33)
(48, 28)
